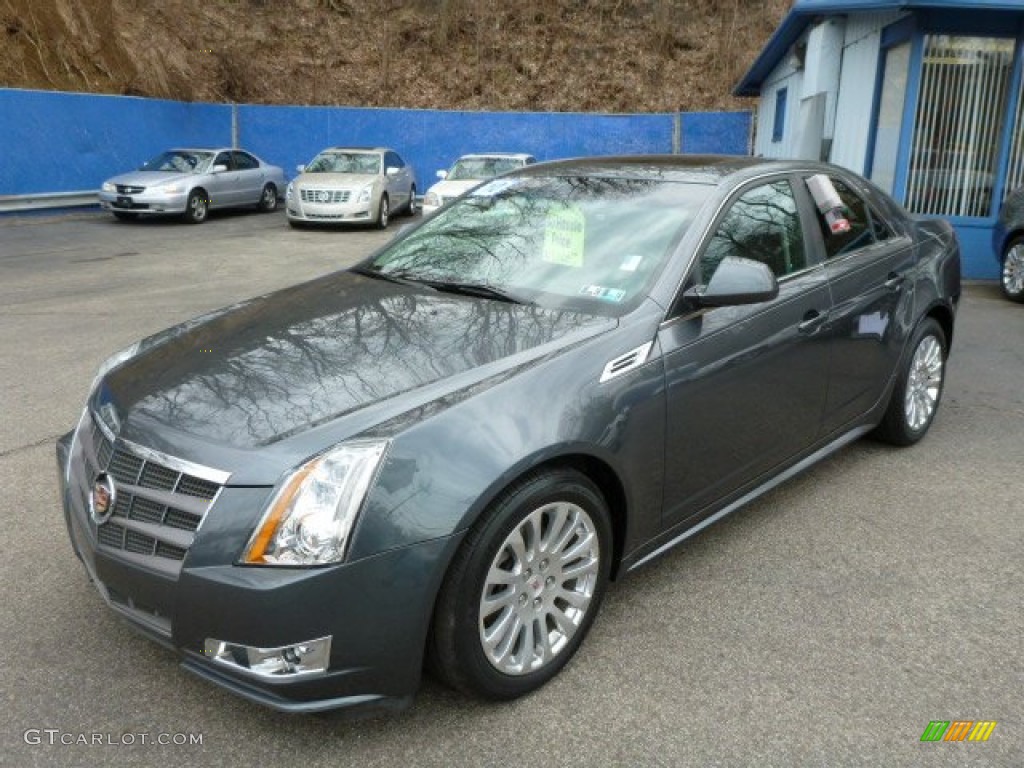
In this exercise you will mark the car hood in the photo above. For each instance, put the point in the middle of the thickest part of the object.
(298, 359)
(147, 178)
(343, 180)
(453, 188)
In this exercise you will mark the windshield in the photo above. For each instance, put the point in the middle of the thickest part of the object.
(179, 161)
(482, 167)
(345, 162)
(595, 244)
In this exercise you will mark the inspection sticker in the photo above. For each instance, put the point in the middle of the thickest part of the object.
(614, 295)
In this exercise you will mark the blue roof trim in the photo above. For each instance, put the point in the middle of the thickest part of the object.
(803, 12)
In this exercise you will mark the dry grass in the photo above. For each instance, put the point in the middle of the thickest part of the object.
(558, 55)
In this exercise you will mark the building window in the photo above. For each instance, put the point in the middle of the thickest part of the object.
(1015, 169)
(779, 126)
(961, 113)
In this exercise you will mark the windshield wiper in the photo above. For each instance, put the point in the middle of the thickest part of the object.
(391, 277)
(481, 290)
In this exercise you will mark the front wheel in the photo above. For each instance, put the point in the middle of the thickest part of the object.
(524, 587)
(915, 398)
(1012, 277)
(268, 199)
(382, 213)
(197, 207)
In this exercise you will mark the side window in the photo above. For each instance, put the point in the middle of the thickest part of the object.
(244, 161)
(762, 225)
(392, 160)
(223, 158)
(856, 212)
(879, 227)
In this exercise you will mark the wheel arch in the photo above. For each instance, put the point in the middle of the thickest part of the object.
(943, 315)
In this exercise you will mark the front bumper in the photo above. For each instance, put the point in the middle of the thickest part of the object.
(146, 202)
(329, 213)
(376, 610)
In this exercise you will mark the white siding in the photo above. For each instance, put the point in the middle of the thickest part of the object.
(857, 88)
(785, 75)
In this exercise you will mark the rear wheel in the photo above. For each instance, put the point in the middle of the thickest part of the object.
(410, 210)
(524, 587)
(1012, 278)
(917, 393)
(382, 213)
(197, 207)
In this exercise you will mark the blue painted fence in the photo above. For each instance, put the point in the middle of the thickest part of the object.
(60, 142)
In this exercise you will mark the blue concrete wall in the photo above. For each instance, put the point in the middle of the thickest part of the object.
(66, 142)
(63, 142)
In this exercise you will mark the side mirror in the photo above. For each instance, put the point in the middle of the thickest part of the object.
(219, 168)
(442, 175)
(392, 170)
(300, 168)
(736, 281)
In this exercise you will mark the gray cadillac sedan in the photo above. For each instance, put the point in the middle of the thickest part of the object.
(444, 454)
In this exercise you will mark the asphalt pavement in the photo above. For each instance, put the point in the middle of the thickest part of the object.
(825, 624)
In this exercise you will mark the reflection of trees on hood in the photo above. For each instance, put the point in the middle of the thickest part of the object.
(271, 378)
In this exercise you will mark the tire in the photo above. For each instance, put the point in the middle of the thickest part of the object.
(1012, 273)
(528, 630)
(197, 207)
(383, 212)
(410, 210)
(915, 398)
(125, 216)
(268, 199)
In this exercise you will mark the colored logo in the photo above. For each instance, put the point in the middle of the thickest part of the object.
(958, 730)
(102, 498)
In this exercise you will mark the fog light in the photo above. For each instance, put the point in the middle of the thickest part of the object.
(307, 658)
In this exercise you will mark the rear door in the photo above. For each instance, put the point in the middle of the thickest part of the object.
(223, 186)
(250, 178)
(869, 273)
(746, 385)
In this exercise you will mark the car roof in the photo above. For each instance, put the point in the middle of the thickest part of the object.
(358, 149)
(704, 169)
(510, 155)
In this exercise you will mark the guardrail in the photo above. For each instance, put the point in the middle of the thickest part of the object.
(15, 203)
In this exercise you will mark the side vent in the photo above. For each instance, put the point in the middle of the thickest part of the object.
(627, 362)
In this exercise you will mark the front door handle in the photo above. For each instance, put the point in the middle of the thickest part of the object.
(894, 282)
(813, 320)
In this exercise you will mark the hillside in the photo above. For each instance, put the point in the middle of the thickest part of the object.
(558, 55)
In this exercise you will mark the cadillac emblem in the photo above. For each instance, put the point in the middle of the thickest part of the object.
(102, 498)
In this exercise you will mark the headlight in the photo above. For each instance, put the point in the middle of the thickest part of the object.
(108, 187)
(310, 518)
(364, 194)
(288, 190)
(431, 199)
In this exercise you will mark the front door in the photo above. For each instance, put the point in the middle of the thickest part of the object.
(746, 385)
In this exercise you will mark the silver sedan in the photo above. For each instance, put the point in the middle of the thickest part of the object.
(191, 182)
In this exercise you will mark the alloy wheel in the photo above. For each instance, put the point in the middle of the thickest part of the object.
(539, 587)
(924, 383)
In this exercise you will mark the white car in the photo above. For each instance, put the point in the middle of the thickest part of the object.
(351, 185)
(468, 171)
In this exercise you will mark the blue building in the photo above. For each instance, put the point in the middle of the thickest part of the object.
(924, 97)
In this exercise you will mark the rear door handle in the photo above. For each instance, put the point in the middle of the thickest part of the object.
(813, 320)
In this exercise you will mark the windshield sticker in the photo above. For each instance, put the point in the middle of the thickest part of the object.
(630, 263)
(564, 236)
(614, 295)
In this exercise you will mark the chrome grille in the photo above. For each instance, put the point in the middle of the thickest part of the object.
(158, 507)
(325, 195)
(125, 189)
